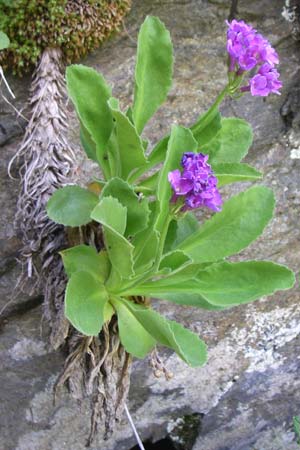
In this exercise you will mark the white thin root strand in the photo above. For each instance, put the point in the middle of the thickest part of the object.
(138, 439)
(6, 83)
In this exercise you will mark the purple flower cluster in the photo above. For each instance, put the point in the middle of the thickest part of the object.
(248, 49)
(265, 81)
(196, 183)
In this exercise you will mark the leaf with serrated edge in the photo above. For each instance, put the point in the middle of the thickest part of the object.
(133, 335)
(174, 261)
(170, 334)
(242, 219)
(235, 172)
(84, 257)
(145, 250)
(231, 143)
(137, 209)
(88, 144)
(181, 140)
(153, 71)
(224, 284)
(112, 215)
(89, 92)
(179, 230)
(85, 300)
(189, 300)
(206, 127)
(130, 145)
(71, 206)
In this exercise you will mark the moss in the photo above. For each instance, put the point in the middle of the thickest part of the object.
(75, 26)
(184, 431)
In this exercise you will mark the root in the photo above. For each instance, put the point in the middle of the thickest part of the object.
(100, 368)
(96, 367)
(159, 367)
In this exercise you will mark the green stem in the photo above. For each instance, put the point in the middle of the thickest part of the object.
(207, 117)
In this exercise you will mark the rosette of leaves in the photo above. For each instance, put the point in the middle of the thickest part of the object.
(77, 27)
(148, 250)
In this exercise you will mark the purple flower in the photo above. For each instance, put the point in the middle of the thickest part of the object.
(247, 48)
(266, 81)
(239, 38)
(196, 183)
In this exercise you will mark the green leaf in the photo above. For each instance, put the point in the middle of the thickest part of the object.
(137, 208)
(224, 284)
(88, 144)
(145, 250)
(85, 300)
(130, 146)
(179, 230)
(86, 258)
(164, 283)
(174, 261)
(136, 340)
(187, 299)
(4, 41)
(71, 206)
(235, 172)
(231, 143)
(108, 312)
(229, 284)
(112, 215)
(241, 221)
(296, 424)
(207, 127)
(171, 334)
(149, 184)
(181, 140)
(204, 130)
(158, 154)
(187, 345)
(153, 72)
(89, 92)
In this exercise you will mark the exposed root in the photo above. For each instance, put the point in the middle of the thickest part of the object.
(97, 367)
(100, 368)
(159, 367)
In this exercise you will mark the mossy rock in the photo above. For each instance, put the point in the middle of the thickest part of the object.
(77, 27)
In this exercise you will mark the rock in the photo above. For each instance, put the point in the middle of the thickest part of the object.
(242, 418)
(10, 128)
(247, 394)
(291, 12)
(25, 369)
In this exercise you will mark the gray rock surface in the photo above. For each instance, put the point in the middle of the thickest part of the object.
(248, 392)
